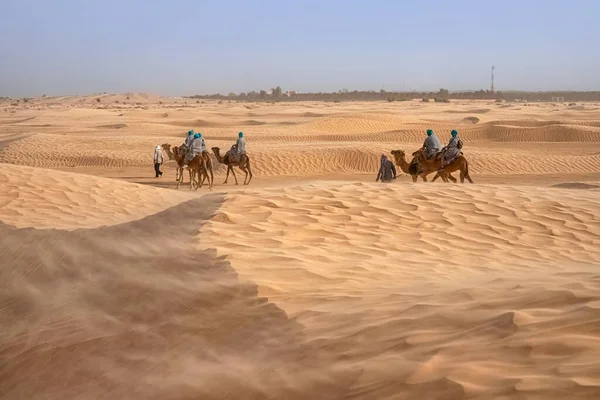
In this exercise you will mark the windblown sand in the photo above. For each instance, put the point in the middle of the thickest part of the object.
(313, 282)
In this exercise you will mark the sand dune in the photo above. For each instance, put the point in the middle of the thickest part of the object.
(488, 290)
(296, 158)
(40, 198)
(314, 281)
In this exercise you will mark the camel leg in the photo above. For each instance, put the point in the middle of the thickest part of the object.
(414, 178)
(202, 172)
(443, 175)
(200, 177)
(191, 178)
(230, 168)
(226, 176)
(209, 168)
(180, 180)
(205, 177)
(249, 172)
(466, 172)
(245, 170)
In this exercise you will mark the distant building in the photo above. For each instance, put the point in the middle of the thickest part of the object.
(558, 99)
(290, 93)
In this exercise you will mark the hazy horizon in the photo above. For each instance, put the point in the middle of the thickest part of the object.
(186, 47)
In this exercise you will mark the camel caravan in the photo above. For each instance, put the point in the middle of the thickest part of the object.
(193, 155)
(432, 158)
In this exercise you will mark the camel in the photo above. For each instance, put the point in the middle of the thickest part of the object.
(459, 164)
(207, 168)
(243, 162)
(414, 169)
(174, 155)
(200, 166)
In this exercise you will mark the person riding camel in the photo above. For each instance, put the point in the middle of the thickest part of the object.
(452, 150)
(198, 146)
(238, 148)
(187, 143)
(387, 170)
(240, 144)
(189, 139)
(432, 145)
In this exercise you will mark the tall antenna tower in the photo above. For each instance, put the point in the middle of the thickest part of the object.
(492, 88)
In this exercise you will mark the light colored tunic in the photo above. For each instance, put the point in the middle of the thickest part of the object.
(241, 145)
(198, 146)
(188, 141)
(158, 155)
(452, 149)
(432, 145)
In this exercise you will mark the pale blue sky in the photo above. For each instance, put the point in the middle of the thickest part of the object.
(183, 47)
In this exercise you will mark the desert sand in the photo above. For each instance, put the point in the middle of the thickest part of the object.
(313, 282)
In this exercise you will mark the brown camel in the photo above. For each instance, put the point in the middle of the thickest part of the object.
(414, 169)
(207, 168)
(243, 162)
(195, 167)
(198, 166)
(174, 155)
(459, 164)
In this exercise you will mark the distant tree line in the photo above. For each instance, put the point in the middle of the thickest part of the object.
(277, 94)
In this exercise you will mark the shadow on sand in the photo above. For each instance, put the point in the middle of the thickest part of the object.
(137, 311)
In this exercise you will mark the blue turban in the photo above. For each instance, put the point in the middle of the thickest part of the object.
(429, 132)
(241, 134)
(197, 136)
(190, 132)
(454, 132)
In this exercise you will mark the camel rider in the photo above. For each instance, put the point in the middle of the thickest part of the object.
(238, 148)
(452, 150)
(240, 144)
(387, 170)
(431, 145)
(198, 146)
(189, 139)
(187, 144)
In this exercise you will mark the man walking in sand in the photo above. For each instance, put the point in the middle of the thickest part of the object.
(387, 170)
(158, 160)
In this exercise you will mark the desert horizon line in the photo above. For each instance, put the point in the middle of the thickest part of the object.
(270, 92)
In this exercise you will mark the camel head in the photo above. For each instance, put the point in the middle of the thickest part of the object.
(216, 150)
(398, 155)
(167, 147)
